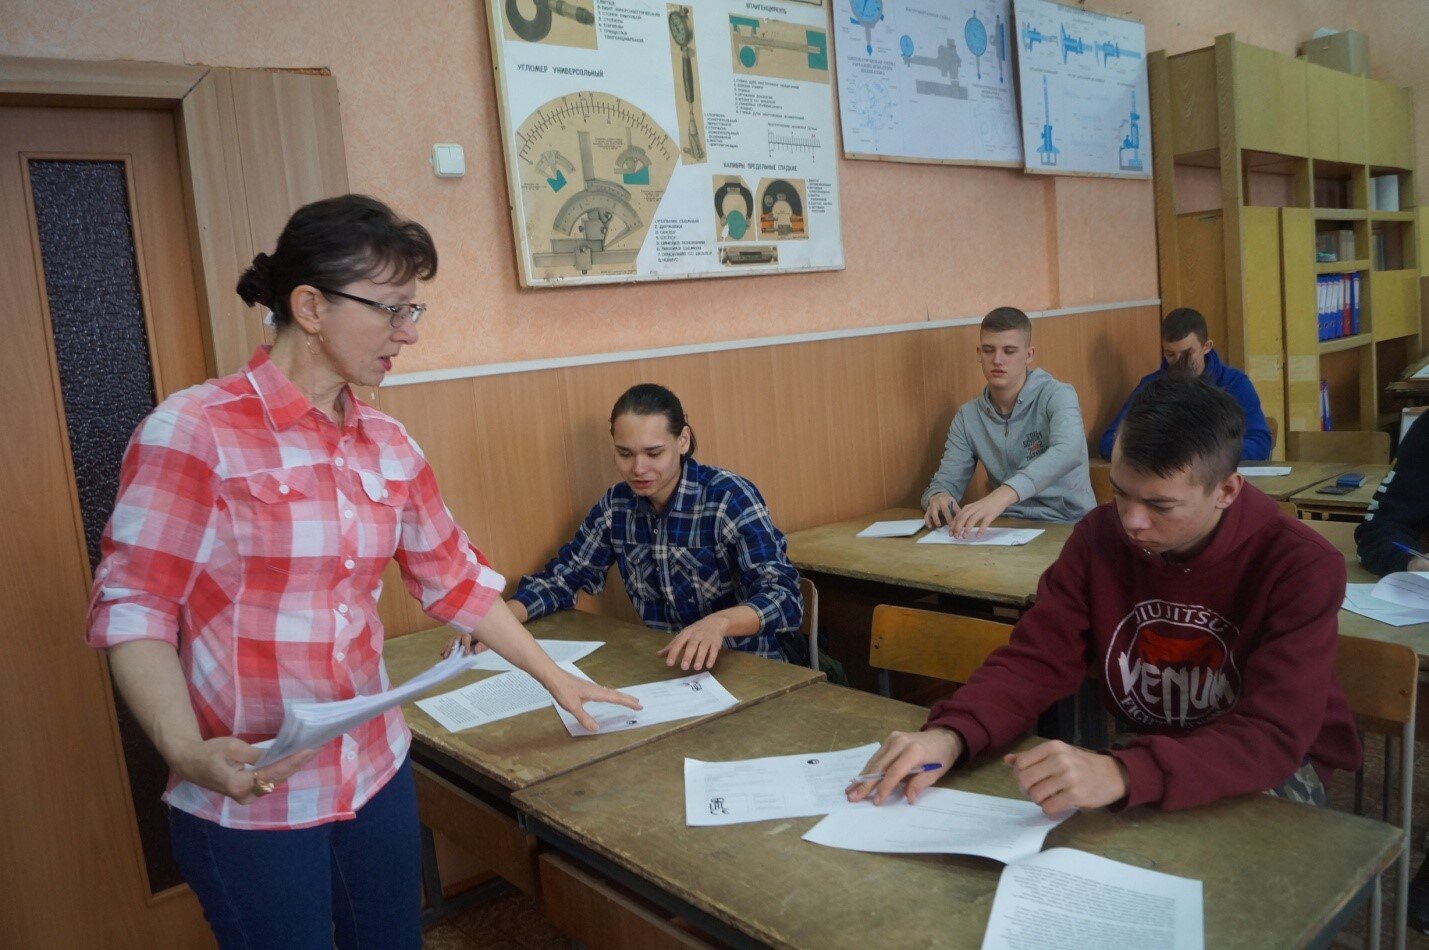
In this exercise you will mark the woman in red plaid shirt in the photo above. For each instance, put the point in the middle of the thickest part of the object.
(241, 569)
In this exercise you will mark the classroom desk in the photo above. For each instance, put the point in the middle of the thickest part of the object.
(1274, 873)
(1302, 476)
(1408, 387)
(1351, 507)
(1342, 535)
(465, 779)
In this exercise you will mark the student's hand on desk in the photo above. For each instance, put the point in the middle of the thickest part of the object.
(1060, 777)
(571, 693)
(218, 765)
(902, 753)
(696, 646)
(1418, 564)
(941, 509)
(974, 517)
(466, 643)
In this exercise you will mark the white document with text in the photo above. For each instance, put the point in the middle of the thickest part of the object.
(992, 537)
(778, 786)
(496, 697)
(665, 701)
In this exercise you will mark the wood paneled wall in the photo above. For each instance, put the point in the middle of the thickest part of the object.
(827, 430)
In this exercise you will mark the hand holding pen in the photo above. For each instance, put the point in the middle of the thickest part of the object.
(1418, 560)
(916, 758)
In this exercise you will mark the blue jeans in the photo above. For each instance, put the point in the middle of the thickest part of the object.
(356, 883)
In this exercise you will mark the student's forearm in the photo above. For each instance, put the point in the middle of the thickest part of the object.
(503, 633)
(741, 620)
(148, 675)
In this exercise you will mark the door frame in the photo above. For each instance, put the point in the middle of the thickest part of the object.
(238, 191)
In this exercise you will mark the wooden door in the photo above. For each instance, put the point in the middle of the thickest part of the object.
(100, 317)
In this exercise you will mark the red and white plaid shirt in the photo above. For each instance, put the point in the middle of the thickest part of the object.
(251, 533)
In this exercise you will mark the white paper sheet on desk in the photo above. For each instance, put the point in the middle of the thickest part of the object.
(1422, 372)
(310, 725)
(1263, 471)
(1360, 599)
(945, 821)
(496, 697)
(1407, 589)
(665, 701)
(778, 786)
(1066, 898)
(992, 537)
(892, 529)
(561, 651)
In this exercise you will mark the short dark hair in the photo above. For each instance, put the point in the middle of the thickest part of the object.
(333, 242)
(1175, 424)
(1006, 318)
(652, 399)
(1184, 321)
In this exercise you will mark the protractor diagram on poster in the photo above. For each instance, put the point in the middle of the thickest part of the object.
(592, 170)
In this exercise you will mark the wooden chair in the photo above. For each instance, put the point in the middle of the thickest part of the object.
(809, 627)
(1380, 681)
(1101, 481)
(1289, 508)
(928, 643)
(1367, 447)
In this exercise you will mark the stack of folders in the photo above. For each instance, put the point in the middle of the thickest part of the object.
(1338, 304)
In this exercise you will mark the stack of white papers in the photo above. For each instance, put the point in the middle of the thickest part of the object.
(780, 786)
(945, 821)
(1360, 599)
(892, 529)
(491, 699)
(1263, 471)
(309, 725)
(665, 701)
(1407, 589)
(994, 537)
(1070, 899)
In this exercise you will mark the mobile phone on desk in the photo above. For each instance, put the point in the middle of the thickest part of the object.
(1350, 480)
(1335, 489)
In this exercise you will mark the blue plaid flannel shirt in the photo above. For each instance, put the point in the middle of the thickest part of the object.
(714, 547)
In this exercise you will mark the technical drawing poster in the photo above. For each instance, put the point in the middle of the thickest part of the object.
(656, 139)
(928, 81)
(1083, 87)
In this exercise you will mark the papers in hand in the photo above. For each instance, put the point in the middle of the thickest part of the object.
(309, 725)
(994, 537)
(1067, 898)
(1360, 599)
(779, 786)
(665, 701)
(1407, 589)
(892, 529)
(945, 821)
(1263, 471)
(496, 697)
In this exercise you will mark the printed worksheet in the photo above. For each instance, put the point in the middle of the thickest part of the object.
(1263, 471)
(779, 786)
(562, 651)
(992, 537)
(904, 528)
(944, 821)
(1360, 599)
(1407, 589)
(665, 701)
(496, 697)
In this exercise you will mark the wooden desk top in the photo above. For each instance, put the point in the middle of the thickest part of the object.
(1357, 500)
(523, 749)
(1001, 575)
(1302, 476)
(1342, 535)
(761, 879)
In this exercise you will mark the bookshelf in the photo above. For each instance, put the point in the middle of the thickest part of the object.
(1305, 158)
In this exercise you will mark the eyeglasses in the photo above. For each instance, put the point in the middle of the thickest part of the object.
(397, 313)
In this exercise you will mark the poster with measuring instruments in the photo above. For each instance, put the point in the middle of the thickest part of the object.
(648, 139)
(928, 81)
(1083, 90)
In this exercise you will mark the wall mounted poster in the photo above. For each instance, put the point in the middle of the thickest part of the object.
(928, 82)
(1083, 89)
(648, 140)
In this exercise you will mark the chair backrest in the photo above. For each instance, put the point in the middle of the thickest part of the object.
(1288, 508)
(1379, 680)
(1349, 446)
(945, 646)
(809, 627)
(1273, 424)
(1101, 481)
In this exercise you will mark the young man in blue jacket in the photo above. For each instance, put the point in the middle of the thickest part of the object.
(1187, 350)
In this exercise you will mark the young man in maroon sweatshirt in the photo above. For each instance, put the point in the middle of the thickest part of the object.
(1210, 620)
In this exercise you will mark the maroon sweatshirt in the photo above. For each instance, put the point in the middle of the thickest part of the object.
(1222, 665)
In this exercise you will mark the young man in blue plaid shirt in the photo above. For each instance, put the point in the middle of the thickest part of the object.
(695, 544)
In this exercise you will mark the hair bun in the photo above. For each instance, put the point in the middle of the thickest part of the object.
(256, 284)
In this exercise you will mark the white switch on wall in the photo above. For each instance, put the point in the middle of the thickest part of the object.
(449, 161)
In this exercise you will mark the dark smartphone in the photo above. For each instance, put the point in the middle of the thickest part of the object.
(1334, 489)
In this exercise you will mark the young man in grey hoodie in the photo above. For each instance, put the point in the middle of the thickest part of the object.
(1026, 427)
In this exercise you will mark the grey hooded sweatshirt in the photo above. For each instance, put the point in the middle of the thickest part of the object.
(1039, 451)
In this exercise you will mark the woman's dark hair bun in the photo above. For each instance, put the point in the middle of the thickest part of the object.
(256, 284)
